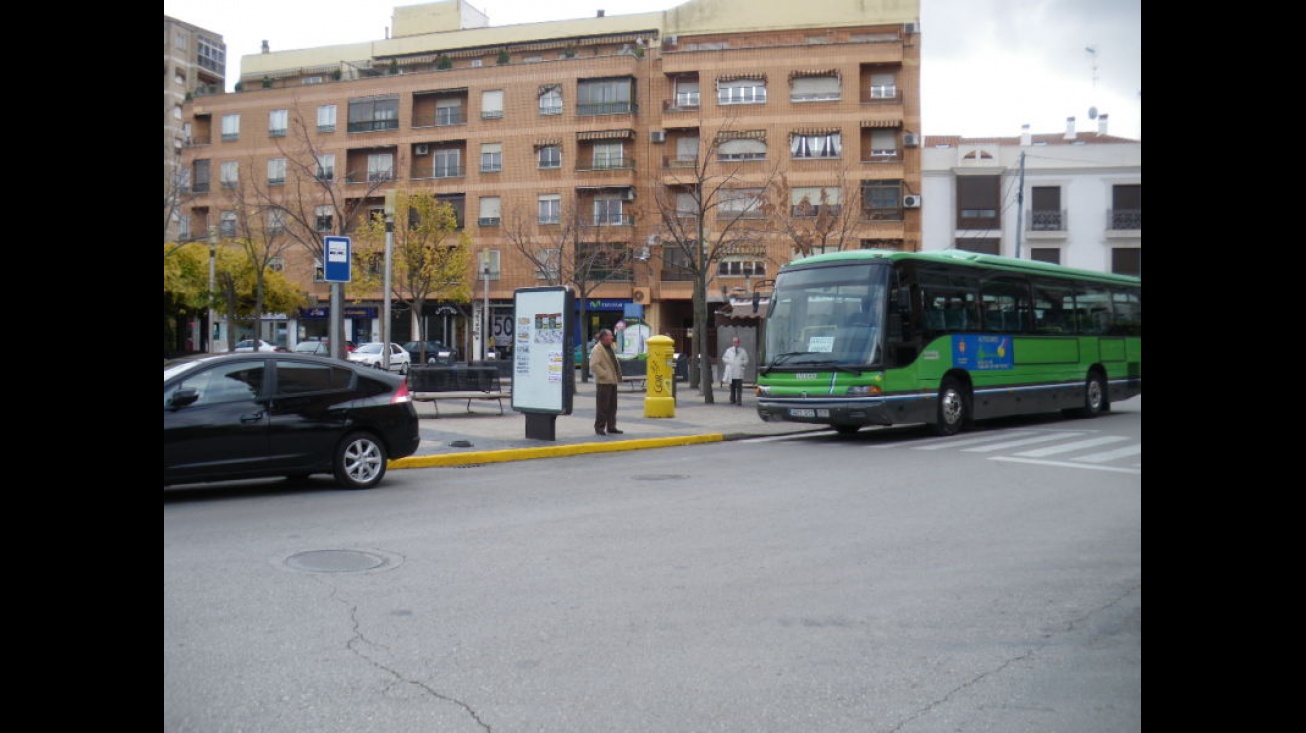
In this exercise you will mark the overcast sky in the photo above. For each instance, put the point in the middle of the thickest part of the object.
(988, 66)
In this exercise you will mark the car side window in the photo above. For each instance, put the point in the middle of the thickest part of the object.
(236, 382)
(295, 378)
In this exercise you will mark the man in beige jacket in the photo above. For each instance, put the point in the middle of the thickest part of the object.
(607, 377)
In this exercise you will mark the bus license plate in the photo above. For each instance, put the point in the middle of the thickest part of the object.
(807, 412)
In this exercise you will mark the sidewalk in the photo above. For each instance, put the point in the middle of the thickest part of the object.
(457, 437)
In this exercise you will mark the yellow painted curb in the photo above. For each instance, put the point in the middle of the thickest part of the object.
(555, 451)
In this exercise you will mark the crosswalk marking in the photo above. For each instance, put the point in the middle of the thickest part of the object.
(1016, 443)
(1112, 455)
(1067, 447)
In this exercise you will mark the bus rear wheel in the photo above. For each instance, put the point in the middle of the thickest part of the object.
(1095, 397)
(951, 408)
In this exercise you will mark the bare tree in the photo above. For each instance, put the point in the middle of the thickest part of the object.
(577, 251)
(708, 209)
(315, 201)
(818, 219)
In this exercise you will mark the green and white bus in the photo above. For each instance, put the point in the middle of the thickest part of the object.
(881, 337)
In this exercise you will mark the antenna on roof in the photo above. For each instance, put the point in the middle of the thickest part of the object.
(1092, 109)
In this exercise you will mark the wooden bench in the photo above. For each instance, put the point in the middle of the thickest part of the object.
(469, 395)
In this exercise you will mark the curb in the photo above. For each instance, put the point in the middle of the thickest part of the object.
(522, 454)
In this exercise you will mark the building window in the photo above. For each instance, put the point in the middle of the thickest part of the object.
(457, 202)
(227, 223)
(815, 88)
(490, 212)
(882, 200)
(276, 171)
(326, 167)
(488, 259)
(380, 167)
(448, 111)
(1127, 261)
(326, 118)
(876, 244)
(230, 127)
(608, 156)
(492, 104)
(741, 91)
(741, 203)
(550, 156)
(183, 228)
(1045, 213)
(229, 174)
(814, 201)
(373, 114)
(447, 163)
(1127, 207)
(982, 245)
(278, 120)
(550, 208)
(211, 55)
(608, 211)
(605, 96)
(551, 99)
(491, 157)
(883, 86)
(742, 148)
(741, 268)
(979, 198)
(201, 170)
(276, 221)
(687, 93)
(823, 145)
(884, 143)
(1051, 255)
(548, 264)
(324, 219)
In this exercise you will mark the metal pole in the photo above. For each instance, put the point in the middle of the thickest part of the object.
(485, 335)
(1020, 204)
(385, 304)
(213, 256)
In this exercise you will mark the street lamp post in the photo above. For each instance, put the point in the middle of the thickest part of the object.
(485, 335)
(385, 303)
(213, 256)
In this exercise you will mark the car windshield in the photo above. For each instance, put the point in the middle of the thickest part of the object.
(372, 348)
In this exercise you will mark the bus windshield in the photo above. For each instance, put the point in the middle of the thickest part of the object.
(827, 317)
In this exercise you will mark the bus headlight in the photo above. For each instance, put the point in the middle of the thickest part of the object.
(763, 391)
(865, 390)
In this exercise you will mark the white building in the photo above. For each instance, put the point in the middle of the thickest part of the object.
(1081, 206)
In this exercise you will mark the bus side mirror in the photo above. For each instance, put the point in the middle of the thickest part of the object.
(902, 299)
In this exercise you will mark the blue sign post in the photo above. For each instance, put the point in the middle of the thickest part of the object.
(337, 267)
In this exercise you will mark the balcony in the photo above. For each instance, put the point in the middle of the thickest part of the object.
(619, 220)
(1125, 220)
(1046, 220)
(444, 117)
(373, 125)
(882, 95)
(607, 164)
(606, 108)
(681, 163)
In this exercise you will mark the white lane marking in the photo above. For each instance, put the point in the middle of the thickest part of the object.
(1112, 455)
(1067, 464)
(1014, 443)
(950, 442)
(1067, 447)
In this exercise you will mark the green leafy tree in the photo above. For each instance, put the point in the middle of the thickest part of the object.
(430, 257)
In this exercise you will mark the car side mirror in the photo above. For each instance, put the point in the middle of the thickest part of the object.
(183, 397)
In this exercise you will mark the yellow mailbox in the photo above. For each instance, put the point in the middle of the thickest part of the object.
(660, 400)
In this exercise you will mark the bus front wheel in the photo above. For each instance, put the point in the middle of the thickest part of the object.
(951, 408)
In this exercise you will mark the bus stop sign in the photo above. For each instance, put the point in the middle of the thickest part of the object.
(337, 268)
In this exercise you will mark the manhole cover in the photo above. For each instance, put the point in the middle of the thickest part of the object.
(342, 561)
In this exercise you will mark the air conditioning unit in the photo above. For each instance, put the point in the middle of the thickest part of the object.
(423, 149)
(628, 194)
(641, 295)
(911, 29)
(911, 201)
(910, 140)
(658, 136)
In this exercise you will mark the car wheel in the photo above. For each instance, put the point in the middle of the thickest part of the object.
(951, 408)
(360, 461)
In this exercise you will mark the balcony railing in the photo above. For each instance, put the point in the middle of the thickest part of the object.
(200, 187)
(606, 164)
(676, 274)
(882, 97)
(198, 140)
(1125, 219)
(441, 118)
(373, 125)
(621, 220)
(606, 108)
(678, 162)
(1047, 220)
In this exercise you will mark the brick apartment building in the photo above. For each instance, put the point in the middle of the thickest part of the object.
(788, 114)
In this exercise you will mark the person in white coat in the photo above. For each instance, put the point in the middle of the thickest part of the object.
(735, 359)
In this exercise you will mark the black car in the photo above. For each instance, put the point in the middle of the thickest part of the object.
(435, 352)
(257, 415)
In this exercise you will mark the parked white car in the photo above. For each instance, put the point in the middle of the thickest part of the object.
(255, 345)
(370, 354)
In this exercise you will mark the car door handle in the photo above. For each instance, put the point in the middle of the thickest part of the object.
(256, 417)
